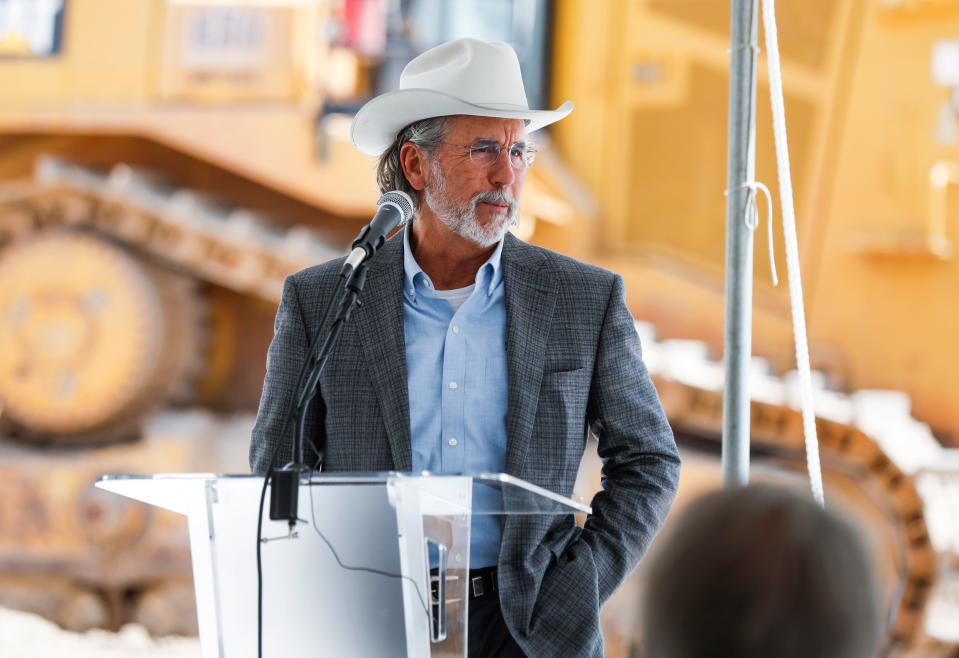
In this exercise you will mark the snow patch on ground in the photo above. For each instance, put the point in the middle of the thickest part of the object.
(30, 636)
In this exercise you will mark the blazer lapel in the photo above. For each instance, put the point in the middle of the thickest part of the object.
(380, 323)
(530, 301)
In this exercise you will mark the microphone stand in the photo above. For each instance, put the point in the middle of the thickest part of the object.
(394, 209)
(284, 483)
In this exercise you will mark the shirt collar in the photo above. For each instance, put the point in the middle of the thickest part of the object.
(490, 274)
(410, 267)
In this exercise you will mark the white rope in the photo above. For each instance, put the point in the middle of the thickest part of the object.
(792, 250)
(752, 209)
(751, 219)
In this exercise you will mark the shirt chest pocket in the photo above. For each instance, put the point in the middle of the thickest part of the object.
(494, 395)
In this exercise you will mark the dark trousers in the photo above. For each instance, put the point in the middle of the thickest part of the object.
(488, 635)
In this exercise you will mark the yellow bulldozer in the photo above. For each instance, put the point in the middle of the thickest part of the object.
(164, 164)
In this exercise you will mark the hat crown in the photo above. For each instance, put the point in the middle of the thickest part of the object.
(475, 71)
(465, 76)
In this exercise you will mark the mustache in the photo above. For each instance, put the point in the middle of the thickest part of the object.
(501, 197)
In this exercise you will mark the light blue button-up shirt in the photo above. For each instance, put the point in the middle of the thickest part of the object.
(456, 375)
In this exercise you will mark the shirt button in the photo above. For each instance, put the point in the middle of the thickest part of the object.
(454, 385)
(453, 443)
(456, 328)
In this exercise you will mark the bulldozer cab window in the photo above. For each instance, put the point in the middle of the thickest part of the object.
(225, 38)
(31, 28)
(374, 40)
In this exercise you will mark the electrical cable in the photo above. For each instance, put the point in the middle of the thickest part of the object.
(371, 570)
(276, 450)
(311, 359)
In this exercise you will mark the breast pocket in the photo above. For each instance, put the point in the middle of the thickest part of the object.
(562, 409)
(571, 381)
(566, 391)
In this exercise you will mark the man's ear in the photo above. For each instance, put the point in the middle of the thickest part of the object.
(414, 166)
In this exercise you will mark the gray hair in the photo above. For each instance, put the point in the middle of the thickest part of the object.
(426, 134)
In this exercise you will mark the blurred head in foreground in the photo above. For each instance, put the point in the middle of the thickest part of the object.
(760, 572)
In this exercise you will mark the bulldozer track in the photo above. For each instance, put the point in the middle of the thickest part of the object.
(233, 247)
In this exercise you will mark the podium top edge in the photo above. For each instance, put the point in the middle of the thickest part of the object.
(338, 475)
(316, 475)
(356, 478)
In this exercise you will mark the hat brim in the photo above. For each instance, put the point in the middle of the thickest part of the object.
(377, 123)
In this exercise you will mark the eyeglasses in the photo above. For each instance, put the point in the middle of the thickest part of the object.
(485, 152)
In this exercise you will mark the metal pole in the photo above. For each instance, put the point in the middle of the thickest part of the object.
(739, 242)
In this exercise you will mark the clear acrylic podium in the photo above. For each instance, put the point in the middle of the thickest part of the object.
(354, 577)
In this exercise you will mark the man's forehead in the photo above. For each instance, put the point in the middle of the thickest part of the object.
(471, 128)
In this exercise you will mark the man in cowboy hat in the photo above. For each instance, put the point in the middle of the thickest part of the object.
(475, 352)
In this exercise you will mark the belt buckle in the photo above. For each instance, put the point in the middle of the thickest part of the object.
(476, 584)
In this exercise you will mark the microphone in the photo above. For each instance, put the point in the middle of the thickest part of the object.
(393, 209)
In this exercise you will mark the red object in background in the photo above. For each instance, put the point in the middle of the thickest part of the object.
(364, 26)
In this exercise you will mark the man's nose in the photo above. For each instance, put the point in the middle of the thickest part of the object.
(501, 172)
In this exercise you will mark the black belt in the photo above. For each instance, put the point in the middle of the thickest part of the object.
(479, 583)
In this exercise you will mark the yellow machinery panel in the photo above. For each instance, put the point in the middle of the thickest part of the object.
(874, 173)
(184, 157)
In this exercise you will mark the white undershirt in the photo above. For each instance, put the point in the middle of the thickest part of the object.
(455, 297)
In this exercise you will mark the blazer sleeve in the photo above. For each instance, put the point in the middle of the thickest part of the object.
(284, 360)
(640, 469)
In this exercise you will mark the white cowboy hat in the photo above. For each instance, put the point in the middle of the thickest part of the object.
(465, 76)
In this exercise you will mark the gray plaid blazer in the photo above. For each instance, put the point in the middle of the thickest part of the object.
(574, 364)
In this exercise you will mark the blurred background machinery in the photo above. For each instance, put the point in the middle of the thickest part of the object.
(164, 164)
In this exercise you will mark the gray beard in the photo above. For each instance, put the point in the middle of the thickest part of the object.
(461, 217)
